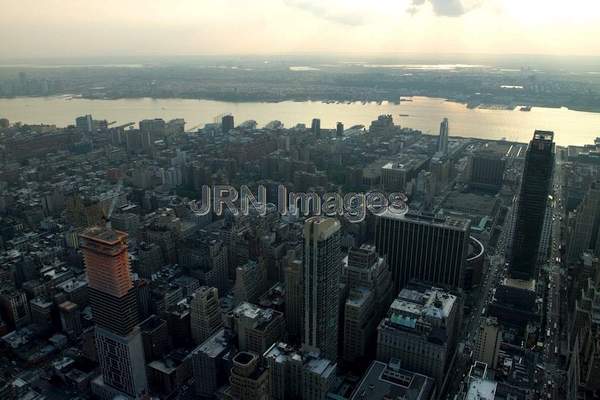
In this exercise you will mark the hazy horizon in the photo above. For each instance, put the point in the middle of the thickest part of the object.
(73, 29)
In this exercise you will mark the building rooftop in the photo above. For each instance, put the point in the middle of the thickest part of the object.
(358, 296)
(480, 387)
(104, 235)
(428, 219)
(321, 227)
(422, 312)
(390, 381)
(216, 345)
(260, 316)
(432, 303)
(310, 358)
(406, 162)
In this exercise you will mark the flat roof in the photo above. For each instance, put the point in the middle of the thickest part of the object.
(104, 235)
(426, 219)
(389, 381)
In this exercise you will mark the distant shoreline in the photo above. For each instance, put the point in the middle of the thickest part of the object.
(403, 99)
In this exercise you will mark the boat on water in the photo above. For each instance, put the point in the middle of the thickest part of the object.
(404, 115)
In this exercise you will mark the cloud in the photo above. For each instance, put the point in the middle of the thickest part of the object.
(445, 8)
(338, 12)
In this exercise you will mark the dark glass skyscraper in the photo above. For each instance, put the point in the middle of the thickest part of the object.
(227, 123)
(443, 137)
(315, 127)
(423, 247)
(531, 207)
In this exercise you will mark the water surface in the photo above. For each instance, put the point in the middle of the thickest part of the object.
(424, 113)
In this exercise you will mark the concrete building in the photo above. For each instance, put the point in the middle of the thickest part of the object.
(15, 307)
(257, 328)
(395, 175)
(488, 343)
(112, 297)
(360, 323)
(249, 379)
(167, 375)
(370, 292)
(41, 312)
(205, 313)
(584, 234)
(298, 374)
(487, 169)
(390, 380)
(364, 267)
(250, 281)
(479, 385)
(294, 296)
(421, 329)
(70, 318)
(155, 338)
(514, 303)
(212, 362)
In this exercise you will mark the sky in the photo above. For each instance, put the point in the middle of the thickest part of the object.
(84, 28)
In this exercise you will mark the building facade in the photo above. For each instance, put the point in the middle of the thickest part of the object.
(322, 273)
(531, 208)
(423, 247)
(112, 297)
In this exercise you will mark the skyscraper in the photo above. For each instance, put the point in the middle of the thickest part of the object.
(227, 123)
(298, 373)
(249, 379)
(114, 308)
(488, 342)
(443, 138)
(294, 296)
(487, 169)
(423, 247)
(368, 280)
(316, 127)
(322, 270)
(257, 328)
(587, 225)
(421, 329)
(531, 207)
(339, 129)
(84, 123)
(205, 313)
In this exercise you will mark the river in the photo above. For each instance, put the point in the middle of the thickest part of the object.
(423, 113)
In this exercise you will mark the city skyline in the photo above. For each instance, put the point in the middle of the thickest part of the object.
(300, 200)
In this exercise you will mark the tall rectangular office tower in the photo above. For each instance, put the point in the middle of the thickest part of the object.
(443, 137)
(423, 247)
(112, 297)
(322, 271)
(531, 206)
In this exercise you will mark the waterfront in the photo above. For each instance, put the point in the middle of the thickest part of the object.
(423, 113)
